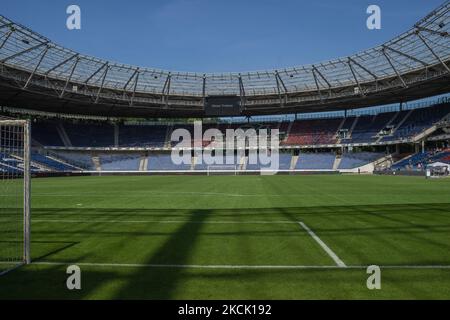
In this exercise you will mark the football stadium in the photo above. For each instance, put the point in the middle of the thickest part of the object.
(289, 183)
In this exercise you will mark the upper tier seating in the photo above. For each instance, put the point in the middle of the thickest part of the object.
(368, 127)
(90, 135)
(142, 136)
(418, 120)
(46, 134)
(310, 132)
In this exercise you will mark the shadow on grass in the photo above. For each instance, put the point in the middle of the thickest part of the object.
(49, 282)
(357, 209)
(176, 250)
(164, 283)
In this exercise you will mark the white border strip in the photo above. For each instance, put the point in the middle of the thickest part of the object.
(330, 252)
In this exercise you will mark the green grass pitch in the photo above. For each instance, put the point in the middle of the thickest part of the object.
(236, 237)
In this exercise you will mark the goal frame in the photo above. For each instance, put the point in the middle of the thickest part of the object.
(26, 125)
(216, 168)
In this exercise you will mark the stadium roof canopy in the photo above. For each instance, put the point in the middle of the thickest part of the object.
(36, 73)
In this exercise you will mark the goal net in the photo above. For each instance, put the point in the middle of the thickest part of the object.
(14, 194)
(222, 170)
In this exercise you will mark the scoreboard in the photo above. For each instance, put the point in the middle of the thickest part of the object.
(222, 106)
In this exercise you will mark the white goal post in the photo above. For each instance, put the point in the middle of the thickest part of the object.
(15, 193)
(222, 170)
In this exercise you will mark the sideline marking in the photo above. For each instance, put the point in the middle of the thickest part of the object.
(330, 252)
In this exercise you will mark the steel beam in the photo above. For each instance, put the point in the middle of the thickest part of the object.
(60, 64)
(6, 38)
(35, 68)
(356, 78)
(134, 88)
(280, 84)
(317, 85)
(166, 89)
(393, 68)
(23, 52)
(364, 68)
(432, 51)
(70, 77)
(241, 91)
(322, 76)
(6, 25)
(405, 55)
(101, 86)
(129, 80)
(440, 33)
(96, 72)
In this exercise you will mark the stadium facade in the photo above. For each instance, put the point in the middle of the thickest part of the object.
(46, 81)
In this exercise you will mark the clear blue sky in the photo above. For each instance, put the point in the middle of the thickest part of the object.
(218, 35)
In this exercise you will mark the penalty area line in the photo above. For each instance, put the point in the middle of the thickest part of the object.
(327, 249)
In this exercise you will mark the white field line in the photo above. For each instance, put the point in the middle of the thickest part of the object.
(196, 266)
(327, 249)
(161, 221)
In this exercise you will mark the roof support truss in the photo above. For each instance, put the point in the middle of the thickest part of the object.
(6, 25)
(102, 84)
(440, 33)
(96, 72)
(70, 77)
(394, 68)
(36, 67)
(316, 80)
(204, 88)
(166, 89)
(406, 55)
(134, 88)
(129, 80)
(60, 64)
(6, 38)
(23, 52)
(241, 91)
(432, 51)
(317, 85)
(323, 78)
(363, 68)
(282, 90)
(355, 77)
